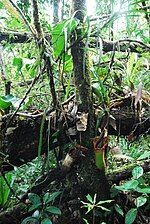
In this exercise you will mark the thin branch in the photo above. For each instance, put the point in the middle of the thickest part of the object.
(22, 16)
(37, 20)
(43, 53)
(24, 98)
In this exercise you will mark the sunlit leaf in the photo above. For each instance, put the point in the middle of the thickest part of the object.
(140, 201)
(34, 198)
(85, 221)
(4, 189)
(130, 216)
(51, 197)
(103, 208)
(18, 62)
(145, 190)
(119, 210)
(137, 172)
(6, 101)
(103, 202)
(1, 5)
(145, 155)
(59, 33)
(46, 221)
(89, 198)
(30, 220)
(53, 210)
(129, 185)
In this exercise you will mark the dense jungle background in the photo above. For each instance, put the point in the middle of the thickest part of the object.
(74, 111)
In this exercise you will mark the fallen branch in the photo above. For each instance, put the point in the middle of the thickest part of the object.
(120, 45)
(21, 140)
(126, 172)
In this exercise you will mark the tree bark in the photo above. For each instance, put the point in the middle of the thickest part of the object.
(108, 46)
(91, 178)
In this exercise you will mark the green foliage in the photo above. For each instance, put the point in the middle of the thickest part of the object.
(60, 34)
(18, 62)
(4, 188)
(119, 209)
(1, 5)
(124, 20)
(92, 204)
(131, 216)
(137, 172)
(134, 185)
(42, 208)
(7, 101)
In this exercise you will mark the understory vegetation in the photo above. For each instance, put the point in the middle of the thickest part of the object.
(74, 112)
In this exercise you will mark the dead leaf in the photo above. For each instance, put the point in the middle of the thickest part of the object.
(138, 96)
(71, 131)
(112, 122)
(126, 91)
(74, 110)
(116, 150)
(10, 130)
(81, 124)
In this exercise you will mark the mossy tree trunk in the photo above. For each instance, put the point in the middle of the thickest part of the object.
(91, 178)
(82, 73)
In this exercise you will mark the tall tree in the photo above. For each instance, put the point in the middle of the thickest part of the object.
(92, 178)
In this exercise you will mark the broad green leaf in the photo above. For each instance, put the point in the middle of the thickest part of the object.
(30, 220)
(36, 214)
(89, 198)
(130, 216)
(53, 210)
(59, 33)
(140, 201)
(97, 91)
(68, 65)
(145, 155)
(119, 210)
(4, 189)
(6, 101)
(137, 172)
(34, 198)
(145, 190)
(129, 185)
(51, 197)
(46, 221)
(18, 62)
(130, 64)
(34, 207)
(100, 91)
(1, 5)
(59, 46)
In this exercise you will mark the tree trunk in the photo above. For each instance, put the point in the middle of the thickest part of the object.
(90, 178)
